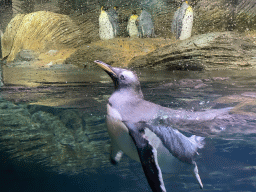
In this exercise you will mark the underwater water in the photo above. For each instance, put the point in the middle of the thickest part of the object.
(53, 137)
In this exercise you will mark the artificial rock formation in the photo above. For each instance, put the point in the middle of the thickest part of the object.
(211, 51)
(40, 32)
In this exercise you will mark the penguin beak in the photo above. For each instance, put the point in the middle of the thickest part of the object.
(107, 68)
(110, 71)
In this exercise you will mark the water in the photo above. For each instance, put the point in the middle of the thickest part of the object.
(53, 137)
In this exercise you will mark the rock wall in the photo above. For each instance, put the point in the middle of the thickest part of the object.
(224, 15)
(210, 15)
(44, 31)
(6, 12)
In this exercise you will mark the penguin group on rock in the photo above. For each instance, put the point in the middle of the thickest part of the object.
(136, 128)
(140, 26)
(143, 26)
(108, 24)
(183, 21)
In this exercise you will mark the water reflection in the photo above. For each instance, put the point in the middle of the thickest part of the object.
(51, 129)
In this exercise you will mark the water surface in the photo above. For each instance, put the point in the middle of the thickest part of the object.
(54, 138)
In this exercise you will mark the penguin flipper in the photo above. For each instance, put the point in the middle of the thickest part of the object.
(148, 158)
(197, 176)
(182, 147)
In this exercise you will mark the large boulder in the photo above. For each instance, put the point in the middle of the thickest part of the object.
(40, 32)
(218, 50)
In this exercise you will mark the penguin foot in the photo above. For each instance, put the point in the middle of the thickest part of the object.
(113, 162)
(116, 157)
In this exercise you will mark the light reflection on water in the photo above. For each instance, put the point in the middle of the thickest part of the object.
(50, 130)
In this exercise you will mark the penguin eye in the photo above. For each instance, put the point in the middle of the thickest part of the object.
(122, 77)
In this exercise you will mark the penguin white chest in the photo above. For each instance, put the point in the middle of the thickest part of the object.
(105, 27)
(119, 134)
(187, 24)
(132, 28)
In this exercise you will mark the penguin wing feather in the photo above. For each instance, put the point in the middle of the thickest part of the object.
(148, 157)
(182, 147)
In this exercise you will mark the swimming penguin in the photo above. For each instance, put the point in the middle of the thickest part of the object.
(106, 30)
(114, 20)
(183, 21)
(132, 28)
(134, 128)
(145, 24)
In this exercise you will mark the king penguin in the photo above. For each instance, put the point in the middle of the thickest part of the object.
(145, 23)
(106, 30)
(134, 129)
(183, 21)
(132, 28)
(114, 20)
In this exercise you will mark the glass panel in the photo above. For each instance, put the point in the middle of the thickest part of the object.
(196, 58)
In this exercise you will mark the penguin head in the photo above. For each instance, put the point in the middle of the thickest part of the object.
(122, 78)
(185, 3)
(103, 9)
(134, 17)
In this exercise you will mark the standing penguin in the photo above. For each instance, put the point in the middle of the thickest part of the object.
(114, 20)
(132, 25)
(183, 21)
(106, 30)
(145, 23)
